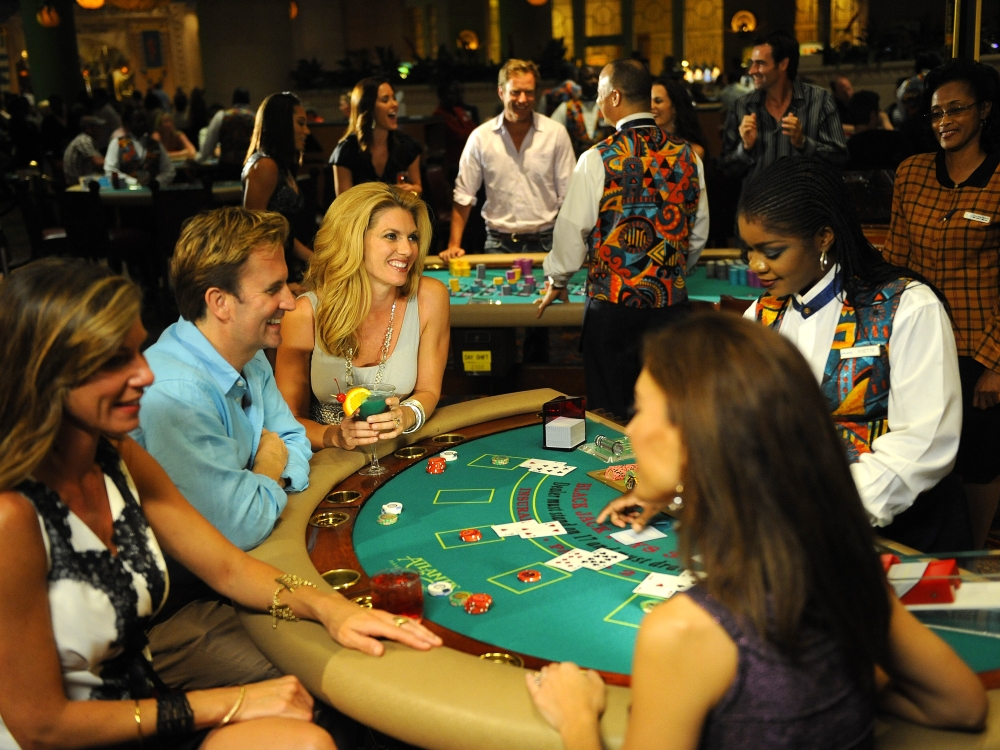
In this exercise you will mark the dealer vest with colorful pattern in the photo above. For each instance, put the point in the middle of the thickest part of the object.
(577, 128)
(638, 250)
(856, 389)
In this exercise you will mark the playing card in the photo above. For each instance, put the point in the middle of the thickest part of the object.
(513, 529)
(553, 528)
(664, 585)
(552, 471)
(631, 537)
(604, 558)
(539, 463)
(569, 561)
(686, 580)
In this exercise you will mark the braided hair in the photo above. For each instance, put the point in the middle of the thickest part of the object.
(801, 196)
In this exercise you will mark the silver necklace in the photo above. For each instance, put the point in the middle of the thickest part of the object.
(349, 364)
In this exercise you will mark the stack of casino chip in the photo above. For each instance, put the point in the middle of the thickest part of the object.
(459, 598)
(529, 576)
(387, 519)
(478, 604)
(449, 455)
(435, 465)
(470, 535)
(619, 472)
(500, 460)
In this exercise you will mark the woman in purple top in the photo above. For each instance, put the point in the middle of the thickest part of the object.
(792, 637)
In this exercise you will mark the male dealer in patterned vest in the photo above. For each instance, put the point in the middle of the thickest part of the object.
(636, 211)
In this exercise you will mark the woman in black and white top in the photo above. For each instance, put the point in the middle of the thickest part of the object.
(83, 570)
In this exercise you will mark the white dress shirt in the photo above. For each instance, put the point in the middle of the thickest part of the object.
(579, 213)
(524, 189)
(925, 396)
(591, 115)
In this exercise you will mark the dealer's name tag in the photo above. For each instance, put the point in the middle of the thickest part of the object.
(872, 350)
(981, 218)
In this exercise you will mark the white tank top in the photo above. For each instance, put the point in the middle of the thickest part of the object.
(327, 370)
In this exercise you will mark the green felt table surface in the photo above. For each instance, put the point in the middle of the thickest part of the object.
(700, 288)
(589, 617)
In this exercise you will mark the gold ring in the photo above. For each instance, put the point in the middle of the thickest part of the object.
(400, 621)
(398, 421)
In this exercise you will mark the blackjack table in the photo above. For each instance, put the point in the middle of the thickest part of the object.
(484, 305)
(470, 693)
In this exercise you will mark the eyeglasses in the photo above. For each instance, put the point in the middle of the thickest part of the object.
(952, 113)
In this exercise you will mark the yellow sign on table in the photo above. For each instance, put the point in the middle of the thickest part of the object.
(477, 361)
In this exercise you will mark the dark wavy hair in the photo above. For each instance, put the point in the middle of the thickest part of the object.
(363, 99)
(274, 131)
(685, 117)
(782, 534)
(983, 81)
(801, 196)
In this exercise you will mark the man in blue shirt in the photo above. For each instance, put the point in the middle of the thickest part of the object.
(216, 422)
(214, 418)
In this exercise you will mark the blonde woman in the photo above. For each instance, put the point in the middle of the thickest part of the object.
(84, 514)
(372, 317)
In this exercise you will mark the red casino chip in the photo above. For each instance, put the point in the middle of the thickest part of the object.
(436, 465)
(478, 604)
(529, 576)
(470, 535)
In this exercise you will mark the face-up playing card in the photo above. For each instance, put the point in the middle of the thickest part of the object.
(553, 528)
(665, 586)
(553, 471)
(604, 558)
(570, 561)
(540, 463)
(513, 529)
(631, 537)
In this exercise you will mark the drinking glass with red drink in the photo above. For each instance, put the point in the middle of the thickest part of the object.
(399, 592)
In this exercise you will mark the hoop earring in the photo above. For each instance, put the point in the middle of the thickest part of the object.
(824, 261)
(678, 501)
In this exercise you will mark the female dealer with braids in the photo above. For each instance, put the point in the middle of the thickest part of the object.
(879, 341)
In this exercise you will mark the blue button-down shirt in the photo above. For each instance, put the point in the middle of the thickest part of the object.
(202, 421)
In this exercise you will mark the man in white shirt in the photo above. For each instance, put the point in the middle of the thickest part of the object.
(636, 211)
(582, 117)
(525, 161)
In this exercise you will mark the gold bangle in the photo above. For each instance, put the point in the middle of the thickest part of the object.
(138, 721)
(235, 708)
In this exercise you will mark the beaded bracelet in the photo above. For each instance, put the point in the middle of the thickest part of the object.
(174, 717)
(288, 581)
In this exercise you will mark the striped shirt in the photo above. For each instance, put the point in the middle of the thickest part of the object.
(951, 234)
(815, 108)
